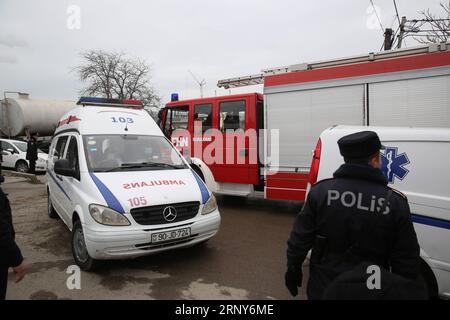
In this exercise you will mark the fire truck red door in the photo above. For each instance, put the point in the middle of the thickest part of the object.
(236, 122)
(202, 137)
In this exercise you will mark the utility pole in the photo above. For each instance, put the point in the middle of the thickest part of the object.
(402, 32)
(388, 39)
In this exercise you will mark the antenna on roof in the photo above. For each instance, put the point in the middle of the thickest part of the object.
(200, 83)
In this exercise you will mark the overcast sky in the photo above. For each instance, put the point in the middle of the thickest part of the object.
(214, 39)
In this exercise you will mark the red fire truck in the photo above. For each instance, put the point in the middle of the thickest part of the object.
(408, 87)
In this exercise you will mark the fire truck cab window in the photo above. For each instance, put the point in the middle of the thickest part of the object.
(180, 118)
(232, 115)
(202, 114)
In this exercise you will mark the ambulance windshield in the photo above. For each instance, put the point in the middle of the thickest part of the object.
(108, 153)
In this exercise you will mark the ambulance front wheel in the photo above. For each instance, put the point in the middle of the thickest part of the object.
(50, 209)
(79, 250)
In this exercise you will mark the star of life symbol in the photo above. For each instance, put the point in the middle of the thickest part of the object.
(393, 164)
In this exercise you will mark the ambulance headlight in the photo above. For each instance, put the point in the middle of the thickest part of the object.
(107, 216)
(210, 205)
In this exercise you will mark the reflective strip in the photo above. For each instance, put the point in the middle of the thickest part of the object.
(429, 221)
(59, 186)
(109, 197)
(202, 186)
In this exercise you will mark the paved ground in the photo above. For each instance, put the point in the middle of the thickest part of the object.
(246, 260)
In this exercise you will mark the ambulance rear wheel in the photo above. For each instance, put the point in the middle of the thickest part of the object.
(79, 249)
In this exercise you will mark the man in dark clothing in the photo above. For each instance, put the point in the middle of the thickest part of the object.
(32, 153)
(10, 255)
(333, 222)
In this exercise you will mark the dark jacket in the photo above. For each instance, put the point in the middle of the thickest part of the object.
(32, 153)
(352, 285)
(10, 255)
(337, 209)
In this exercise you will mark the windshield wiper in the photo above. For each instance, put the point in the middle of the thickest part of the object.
(152, 164)
(145, 165)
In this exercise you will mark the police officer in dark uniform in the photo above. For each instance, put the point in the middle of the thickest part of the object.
(32, 153)
(10, 255)
(347, 220)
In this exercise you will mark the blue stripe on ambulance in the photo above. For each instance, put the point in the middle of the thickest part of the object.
(109, 197)
(429, 221)
(203, 188)
(59, 186)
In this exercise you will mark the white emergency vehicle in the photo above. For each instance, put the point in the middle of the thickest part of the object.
(121, 187)
(415, 162)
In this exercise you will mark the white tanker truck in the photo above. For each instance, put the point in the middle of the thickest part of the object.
(22, 114)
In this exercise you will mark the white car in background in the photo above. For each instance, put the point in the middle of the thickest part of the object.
(14, 154)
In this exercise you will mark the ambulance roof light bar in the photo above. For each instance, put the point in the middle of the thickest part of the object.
(94, 101)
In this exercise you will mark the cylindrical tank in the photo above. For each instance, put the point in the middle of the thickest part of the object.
(24, 114)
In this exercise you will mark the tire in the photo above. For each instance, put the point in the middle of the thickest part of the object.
(79, 250)
(52, 214)
(22, 166)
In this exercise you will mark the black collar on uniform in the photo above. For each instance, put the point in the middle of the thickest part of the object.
(360, 171)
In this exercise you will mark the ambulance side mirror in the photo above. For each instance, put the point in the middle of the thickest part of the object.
(62, 167)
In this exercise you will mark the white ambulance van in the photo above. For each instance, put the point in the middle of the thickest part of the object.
(415, 162)
(121, 187)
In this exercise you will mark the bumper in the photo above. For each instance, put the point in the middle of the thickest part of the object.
(122, 244)
(41, 166)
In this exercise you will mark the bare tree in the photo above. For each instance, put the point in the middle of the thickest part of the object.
(432, 28)
(114, 75)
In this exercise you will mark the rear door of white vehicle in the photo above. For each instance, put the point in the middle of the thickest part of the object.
(70, 185)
